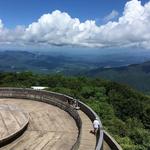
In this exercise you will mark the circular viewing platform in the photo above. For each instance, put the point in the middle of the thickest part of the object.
(49, 127)
(42, 120)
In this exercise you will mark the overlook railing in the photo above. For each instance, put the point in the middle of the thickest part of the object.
(62, 101)
(46, 97)
(111, 142)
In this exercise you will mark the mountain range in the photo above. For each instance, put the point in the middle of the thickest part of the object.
(115, 67)
(18, 61)
(135, 75)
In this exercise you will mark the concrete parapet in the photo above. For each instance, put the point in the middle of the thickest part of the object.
(62, 101)
(46, 97)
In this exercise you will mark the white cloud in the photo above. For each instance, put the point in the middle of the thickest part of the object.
(112, 15)
(59, 28)
(1, 24)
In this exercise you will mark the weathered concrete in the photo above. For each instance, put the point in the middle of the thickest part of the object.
(88, 140)
(106, 146)
(50, 128)
(110, 143)
(12, 119)
(13, 122)
(63, 102)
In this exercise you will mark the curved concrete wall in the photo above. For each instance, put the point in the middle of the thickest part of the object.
(111, 142)
(13, 136)
(62, 101)
(46, 97)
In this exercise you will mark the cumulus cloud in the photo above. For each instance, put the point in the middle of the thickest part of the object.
(1, 24)
(111, 16)
(60, 29)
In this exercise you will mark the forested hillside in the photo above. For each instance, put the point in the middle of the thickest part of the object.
(125, 113)
(136, 75)
(18, 61)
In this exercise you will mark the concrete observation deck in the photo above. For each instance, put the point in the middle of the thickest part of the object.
(49, 127)
(41, 120)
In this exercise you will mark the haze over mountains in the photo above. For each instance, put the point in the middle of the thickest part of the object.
(113, 66)
(137, 76)
(38, 62)
(64, 62)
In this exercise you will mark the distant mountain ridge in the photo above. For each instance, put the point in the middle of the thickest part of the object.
(13, 61)
(135, 75)
(40, 62)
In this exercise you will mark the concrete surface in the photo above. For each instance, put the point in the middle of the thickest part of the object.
(50, 128)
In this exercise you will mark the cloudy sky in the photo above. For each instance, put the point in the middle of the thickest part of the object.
(32, 24)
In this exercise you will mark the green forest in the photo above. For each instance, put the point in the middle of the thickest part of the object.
(125, 112)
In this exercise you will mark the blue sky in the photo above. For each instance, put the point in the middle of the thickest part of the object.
(14, 12)
(109, 24)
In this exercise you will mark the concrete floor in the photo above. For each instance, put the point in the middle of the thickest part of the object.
(12, 120)
(50, 128)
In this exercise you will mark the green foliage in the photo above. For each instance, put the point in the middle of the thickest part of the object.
(125, 113)
(127, 143)
(137, 76)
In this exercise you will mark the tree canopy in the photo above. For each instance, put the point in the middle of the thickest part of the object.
(125, 112)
